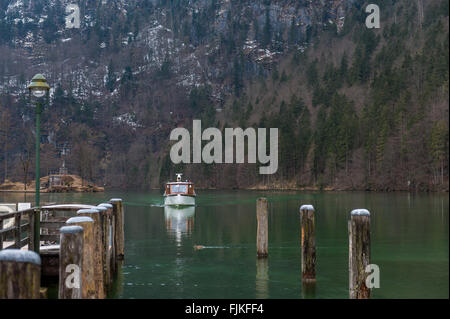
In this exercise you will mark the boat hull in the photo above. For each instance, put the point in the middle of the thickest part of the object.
(179, 200)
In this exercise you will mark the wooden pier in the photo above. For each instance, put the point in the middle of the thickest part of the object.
(71, 235)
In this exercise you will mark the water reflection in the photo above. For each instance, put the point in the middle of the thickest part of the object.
(262, 278)
(179, 221)
(309, 289)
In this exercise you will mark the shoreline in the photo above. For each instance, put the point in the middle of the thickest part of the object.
(44, 191)
(307, 189)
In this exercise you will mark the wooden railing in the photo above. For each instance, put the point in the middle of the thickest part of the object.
(50, 225)
(12, 236)
(23, 223)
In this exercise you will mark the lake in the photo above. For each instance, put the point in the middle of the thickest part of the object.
(409, 234)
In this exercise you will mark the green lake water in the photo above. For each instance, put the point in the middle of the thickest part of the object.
(409, 234)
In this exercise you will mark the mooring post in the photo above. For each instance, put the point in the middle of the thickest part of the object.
(105, 246)
(88, 288)
(20, 274)
(119, 229)
(359, 253)
(98, 260)
(110, 243)
(308, 243)
(263, 228)
(70, 262)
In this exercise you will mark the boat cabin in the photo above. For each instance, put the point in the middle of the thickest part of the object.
(180, 188)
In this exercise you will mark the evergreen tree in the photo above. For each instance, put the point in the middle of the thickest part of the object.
(267, 30)
(110, 77)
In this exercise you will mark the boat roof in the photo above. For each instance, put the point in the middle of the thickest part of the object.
(170, 183)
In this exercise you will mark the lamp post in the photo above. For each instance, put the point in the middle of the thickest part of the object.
(38, 88)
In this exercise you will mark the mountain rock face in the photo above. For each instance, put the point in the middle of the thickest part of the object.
(134, 70)
(196, 41)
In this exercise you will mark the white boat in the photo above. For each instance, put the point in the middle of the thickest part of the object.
(179, 193)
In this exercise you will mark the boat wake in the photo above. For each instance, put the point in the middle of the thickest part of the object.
(157, 205)
(198, 247)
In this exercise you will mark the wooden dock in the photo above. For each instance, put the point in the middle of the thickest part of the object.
(17, 241)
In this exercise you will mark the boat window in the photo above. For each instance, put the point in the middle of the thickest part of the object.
(178, 188)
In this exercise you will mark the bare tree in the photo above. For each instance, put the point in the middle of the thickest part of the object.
(25, 161)
(5, 126)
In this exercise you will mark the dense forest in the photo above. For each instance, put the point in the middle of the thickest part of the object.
(356, 108)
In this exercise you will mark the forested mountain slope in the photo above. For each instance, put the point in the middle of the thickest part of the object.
(357, 108)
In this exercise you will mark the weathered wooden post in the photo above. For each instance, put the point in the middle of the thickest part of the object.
(88, 288)
(119, 238)
(31, 236)
(308, 243)
(105, 245)
(20, 274)
(70, 262)
(98, 260)
(263, 228)
(359, 253)
(1, 234)
(18, 233)
(111, 254)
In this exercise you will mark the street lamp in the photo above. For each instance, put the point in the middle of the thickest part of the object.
(38, 88)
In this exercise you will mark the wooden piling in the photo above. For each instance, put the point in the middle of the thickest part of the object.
(111, 252)
(70, 262)
(20, 274)
(104, 221)
(359, 253)
(98, 260)
(88, 287)
(119, 239)
(308, 243)
(262, 230)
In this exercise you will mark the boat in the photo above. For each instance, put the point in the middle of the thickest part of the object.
(179, 193)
